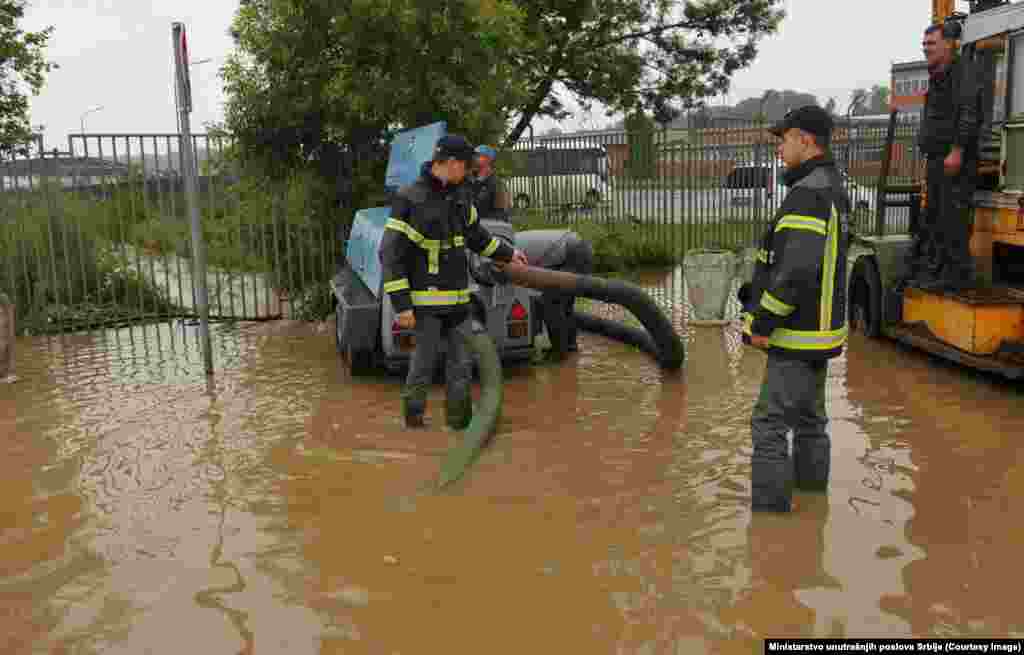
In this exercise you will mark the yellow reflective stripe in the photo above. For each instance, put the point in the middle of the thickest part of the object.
(748, 322)
(776, 306)
(472, 214)
(459, 241)
(491, 247)
(795, 222)
(828, 268)
(435, 298)
(808, 339)
(404, 228)
(762, 256)
(396, 285)
(433, 248)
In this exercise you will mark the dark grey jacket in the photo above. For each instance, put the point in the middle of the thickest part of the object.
(798, 295)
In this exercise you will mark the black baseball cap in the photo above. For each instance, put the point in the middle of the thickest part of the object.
(453, 146)
(809, 118)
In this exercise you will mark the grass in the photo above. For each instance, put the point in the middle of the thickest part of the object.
(61, 252)
(623, 245)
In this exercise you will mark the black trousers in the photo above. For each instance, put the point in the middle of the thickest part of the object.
(433, 329)
(941, 245)
(792, 398)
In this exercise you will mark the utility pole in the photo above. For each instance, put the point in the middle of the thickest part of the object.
(184, 102)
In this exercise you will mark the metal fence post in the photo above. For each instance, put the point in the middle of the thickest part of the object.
(184, 106)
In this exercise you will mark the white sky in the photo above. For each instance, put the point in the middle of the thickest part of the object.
(117, 53)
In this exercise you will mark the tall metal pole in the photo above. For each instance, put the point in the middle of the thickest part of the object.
(184, 102)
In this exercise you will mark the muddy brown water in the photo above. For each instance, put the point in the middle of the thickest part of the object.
(280, 508)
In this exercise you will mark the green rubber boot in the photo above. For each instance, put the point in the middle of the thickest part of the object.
(459, 413)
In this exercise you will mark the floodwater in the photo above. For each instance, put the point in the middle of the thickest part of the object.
(283, 509)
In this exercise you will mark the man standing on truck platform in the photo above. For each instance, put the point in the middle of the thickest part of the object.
(950, 127)
(795, 309)
(426, 275)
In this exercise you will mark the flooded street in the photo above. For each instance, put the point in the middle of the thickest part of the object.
(282, 508)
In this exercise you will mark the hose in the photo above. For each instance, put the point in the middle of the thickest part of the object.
(485, 414)
(616, 330)
(667, 346)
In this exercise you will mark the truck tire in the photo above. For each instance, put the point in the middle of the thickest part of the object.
(865, 301)
(337, 330)
(360, 362)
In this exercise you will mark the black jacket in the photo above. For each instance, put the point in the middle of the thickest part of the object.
(423, 250)
(952, 111)
(491, 198)
(798, 295)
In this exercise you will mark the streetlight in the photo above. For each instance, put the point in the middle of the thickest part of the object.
(86, 113)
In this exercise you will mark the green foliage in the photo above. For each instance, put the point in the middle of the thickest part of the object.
(21, 65)
(308, 92)
(62, 270)
(642, 160)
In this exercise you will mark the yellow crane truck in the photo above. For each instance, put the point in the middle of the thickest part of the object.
(983, 327)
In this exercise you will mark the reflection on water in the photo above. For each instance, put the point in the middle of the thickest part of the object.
(281, 508)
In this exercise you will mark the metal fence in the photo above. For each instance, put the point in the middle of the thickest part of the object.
(694, 187)
(98, 235)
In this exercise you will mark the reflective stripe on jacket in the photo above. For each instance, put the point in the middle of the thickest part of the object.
(423, 250)
(798, 294)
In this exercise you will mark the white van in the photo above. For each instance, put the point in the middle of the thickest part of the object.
(560, 177)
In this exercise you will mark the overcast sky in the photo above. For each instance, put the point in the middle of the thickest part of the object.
(117, 53)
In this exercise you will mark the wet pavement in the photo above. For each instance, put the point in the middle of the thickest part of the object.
(282, 509)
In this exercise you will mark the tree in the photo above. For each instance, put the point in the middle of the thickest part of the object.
(878, 100)
(870, 102)
(775, 104)
(635, 55)
(307, 88)
(22, 70)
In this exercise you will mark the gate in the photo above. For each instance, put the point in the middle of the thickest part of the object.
(99, 235)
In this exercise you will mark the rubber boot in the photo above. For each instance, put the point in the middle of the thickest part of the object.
(414, 405)
(459, 413)
(811, 464)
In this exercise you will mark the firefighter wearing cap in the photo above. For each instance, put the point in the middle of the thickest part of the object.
(795, 309)
(489, 193)
(426, 275)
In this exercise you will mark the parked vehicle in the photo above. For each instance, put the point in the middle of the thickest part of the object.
(753, 185)
(559, 177)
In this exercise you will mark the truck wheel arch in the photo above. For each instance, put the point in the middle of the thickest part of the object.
(864, 298)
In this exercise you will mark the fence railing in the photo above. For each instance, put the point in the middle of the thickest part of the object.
(693, 187)
(99, 235)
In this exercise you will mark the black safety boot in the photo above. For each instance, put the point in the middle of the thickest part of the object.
(412, 411)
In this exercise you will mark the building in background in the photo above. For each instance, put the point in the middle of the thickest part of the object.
(908, 86)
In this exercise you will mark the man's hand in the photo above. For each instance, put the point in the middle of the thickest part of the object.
(406, 320)
(759, 341)
(518, 257)
(953, 162)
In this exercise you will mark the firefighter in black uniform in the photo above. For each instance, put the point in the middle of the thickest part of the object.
(567, 253)
(426, 275)
(489, 192)
(950, 128)
(795, 309)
